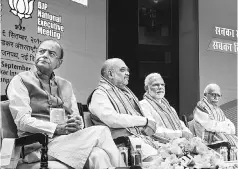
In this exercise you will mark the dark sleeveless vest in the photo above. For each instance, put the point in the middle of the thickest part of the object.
(39, 98)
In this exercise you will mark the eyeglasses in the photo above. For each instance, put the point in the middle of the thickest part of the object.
(159, 84)
(51, 53)
(215, 95)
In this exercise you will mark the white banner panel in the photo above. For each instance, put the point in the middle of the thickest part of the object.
(80, 29)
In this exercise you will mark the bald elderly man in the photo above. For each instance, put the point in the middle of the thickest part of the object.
(211, 120)
(113, 104)
(35, 94)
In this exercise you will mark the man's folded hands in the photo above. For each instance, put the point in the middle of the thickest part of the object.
(73, 124)
(150, 128)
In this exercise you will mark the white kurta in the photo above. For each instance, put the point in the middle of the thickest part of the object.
(75, 148)
(213, 125)
(102, 107)
(210, 119)
(72, 149)
(151, 114)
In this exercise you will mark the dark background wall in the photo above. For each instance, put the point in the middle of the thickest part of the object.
(143, 47)
(188, 56)
(122, 34)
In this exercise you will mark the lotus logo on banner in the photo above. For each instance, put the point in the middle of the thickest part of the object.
(22, 9)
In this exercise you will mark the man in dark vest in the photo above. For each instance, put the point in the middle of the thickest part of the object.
(38, 96)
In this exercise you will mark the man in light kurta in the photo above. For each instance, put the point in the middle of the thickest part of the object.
(158, 109)
(33, 95)
(210, 121)
(114, 105)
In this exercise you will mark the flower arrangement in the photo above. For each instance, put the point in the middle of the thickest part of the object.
(182, 153)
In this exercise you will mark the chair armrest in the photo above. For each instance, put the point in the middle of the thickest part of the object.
(216, 145)
(126, 141)
(121, 140)
(33, 138)
(219, 144)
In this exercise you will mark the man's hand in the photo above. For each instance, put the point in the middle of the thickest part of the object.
(60, 129)
(186, 135)
(73, 124)
(150, 128)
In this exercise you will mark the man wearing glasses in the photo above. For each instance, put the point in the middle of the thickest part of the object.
(211, 123)
(158, 109)
(41, 102)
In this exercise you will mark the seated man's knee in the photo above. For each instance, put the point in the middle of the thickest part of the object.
(99, 159)
(101, 129)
